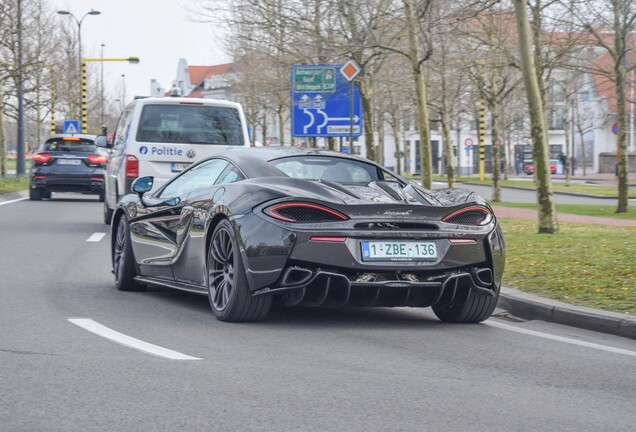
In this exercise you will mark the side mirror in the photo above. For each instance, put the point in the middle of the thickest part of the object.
(142, 185)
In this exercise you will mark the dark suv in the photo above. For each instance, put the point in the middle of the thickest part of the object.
(68, 163)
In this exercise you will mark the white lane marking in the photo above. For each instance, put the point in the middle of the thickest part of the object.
(561, 338)
(120, 338)
(96, 237)
(12, 201)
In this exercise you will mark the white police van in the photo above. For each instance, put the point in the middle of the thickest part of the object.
(160, 137)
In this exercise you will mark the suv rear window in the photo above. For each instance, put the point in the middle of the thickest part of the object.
(75, 145)
(190, 124)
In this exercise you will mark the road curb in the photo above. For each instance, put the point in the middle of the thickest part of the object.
(532, 307)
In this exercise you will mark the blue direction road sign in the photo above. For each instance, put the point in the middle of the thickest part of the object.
(71, 126)
(321, 103)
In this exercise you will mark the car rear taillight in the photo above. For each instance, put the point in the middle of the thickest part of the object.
(41, 157)
(132, 166)
(304, 212)
(474, 215)
(97, 159)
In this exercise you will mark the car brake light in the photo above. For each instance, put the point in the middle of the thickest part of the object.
(190, 103)
(97, 159)
(42, 157)
(71, 139)
(474, 215)
(132, 166)
(328, 239)
(304, 212)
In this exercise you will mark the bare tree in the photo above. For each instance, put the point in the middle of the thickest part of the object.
(611, 22)
(547, 213)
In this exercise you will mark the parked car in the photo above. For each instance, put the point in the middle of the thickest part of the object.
(528, 166)
(160, 137)
(249, 227)
(67, 163)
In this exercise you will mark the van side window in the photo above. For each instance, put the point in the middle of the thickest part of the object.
(123, 126)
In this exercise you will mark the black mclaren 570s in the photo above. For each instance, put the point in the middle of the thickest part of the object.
(305, 227)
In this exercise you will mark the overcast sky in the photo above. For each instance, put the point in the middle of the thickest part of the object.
(156, 31)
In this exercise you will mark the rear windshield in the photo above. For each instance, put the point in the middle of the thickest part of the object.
(72, 145)
(188, 124)
(326, 168)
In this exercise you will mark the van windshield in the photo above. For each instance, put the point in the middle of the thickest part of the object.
(190, 124)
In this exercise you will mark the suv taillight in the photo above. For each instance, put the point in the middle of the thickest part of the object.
(42, 157)
(97, 159)
(132, 166)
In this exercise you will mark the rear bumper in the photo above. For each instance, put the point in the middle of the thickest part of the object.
(93, 184)
(309, 287)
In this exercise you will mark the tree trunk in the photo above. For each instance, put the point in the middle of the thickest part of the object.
(568, 128)
(494, 131)
(380, 153)
(621, 145)
(395, 127)
(281, 125)
(415, 55)
(3, 139)
(547, 215)
(367, 114)
(448, 146)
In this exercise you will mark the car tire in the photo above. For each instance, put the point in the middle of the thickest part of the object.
(123, 259)
(477, 308)
(35, 194)
(108, 214)
(228, 288)
(46, 195)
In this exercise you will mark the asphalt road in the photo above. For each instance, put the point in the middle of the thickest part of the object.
(301, 370)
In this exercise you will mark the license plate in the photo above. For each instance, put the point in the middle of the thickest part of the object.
(178, 167)
(398, 251)
(69, 161)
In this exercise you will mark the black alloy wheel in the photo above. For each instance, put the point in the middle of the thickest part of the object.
(123, 259)
(228, 289)
(477, 308)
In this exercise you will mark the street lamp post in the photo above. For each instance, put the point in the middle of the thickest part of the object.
(79, 43)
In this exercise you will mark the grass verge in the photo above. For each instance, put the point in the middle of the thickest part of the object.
(586, 265)
(13, 183)
(577, 188)
(606, 211)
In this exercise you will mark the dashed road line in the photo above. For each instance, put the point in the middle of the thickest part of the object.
(120, 338)
(96, 237)
(571, 341)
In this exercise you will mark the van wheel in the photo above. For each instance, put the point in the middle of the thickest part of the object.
(108, 214)
(35, 194)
